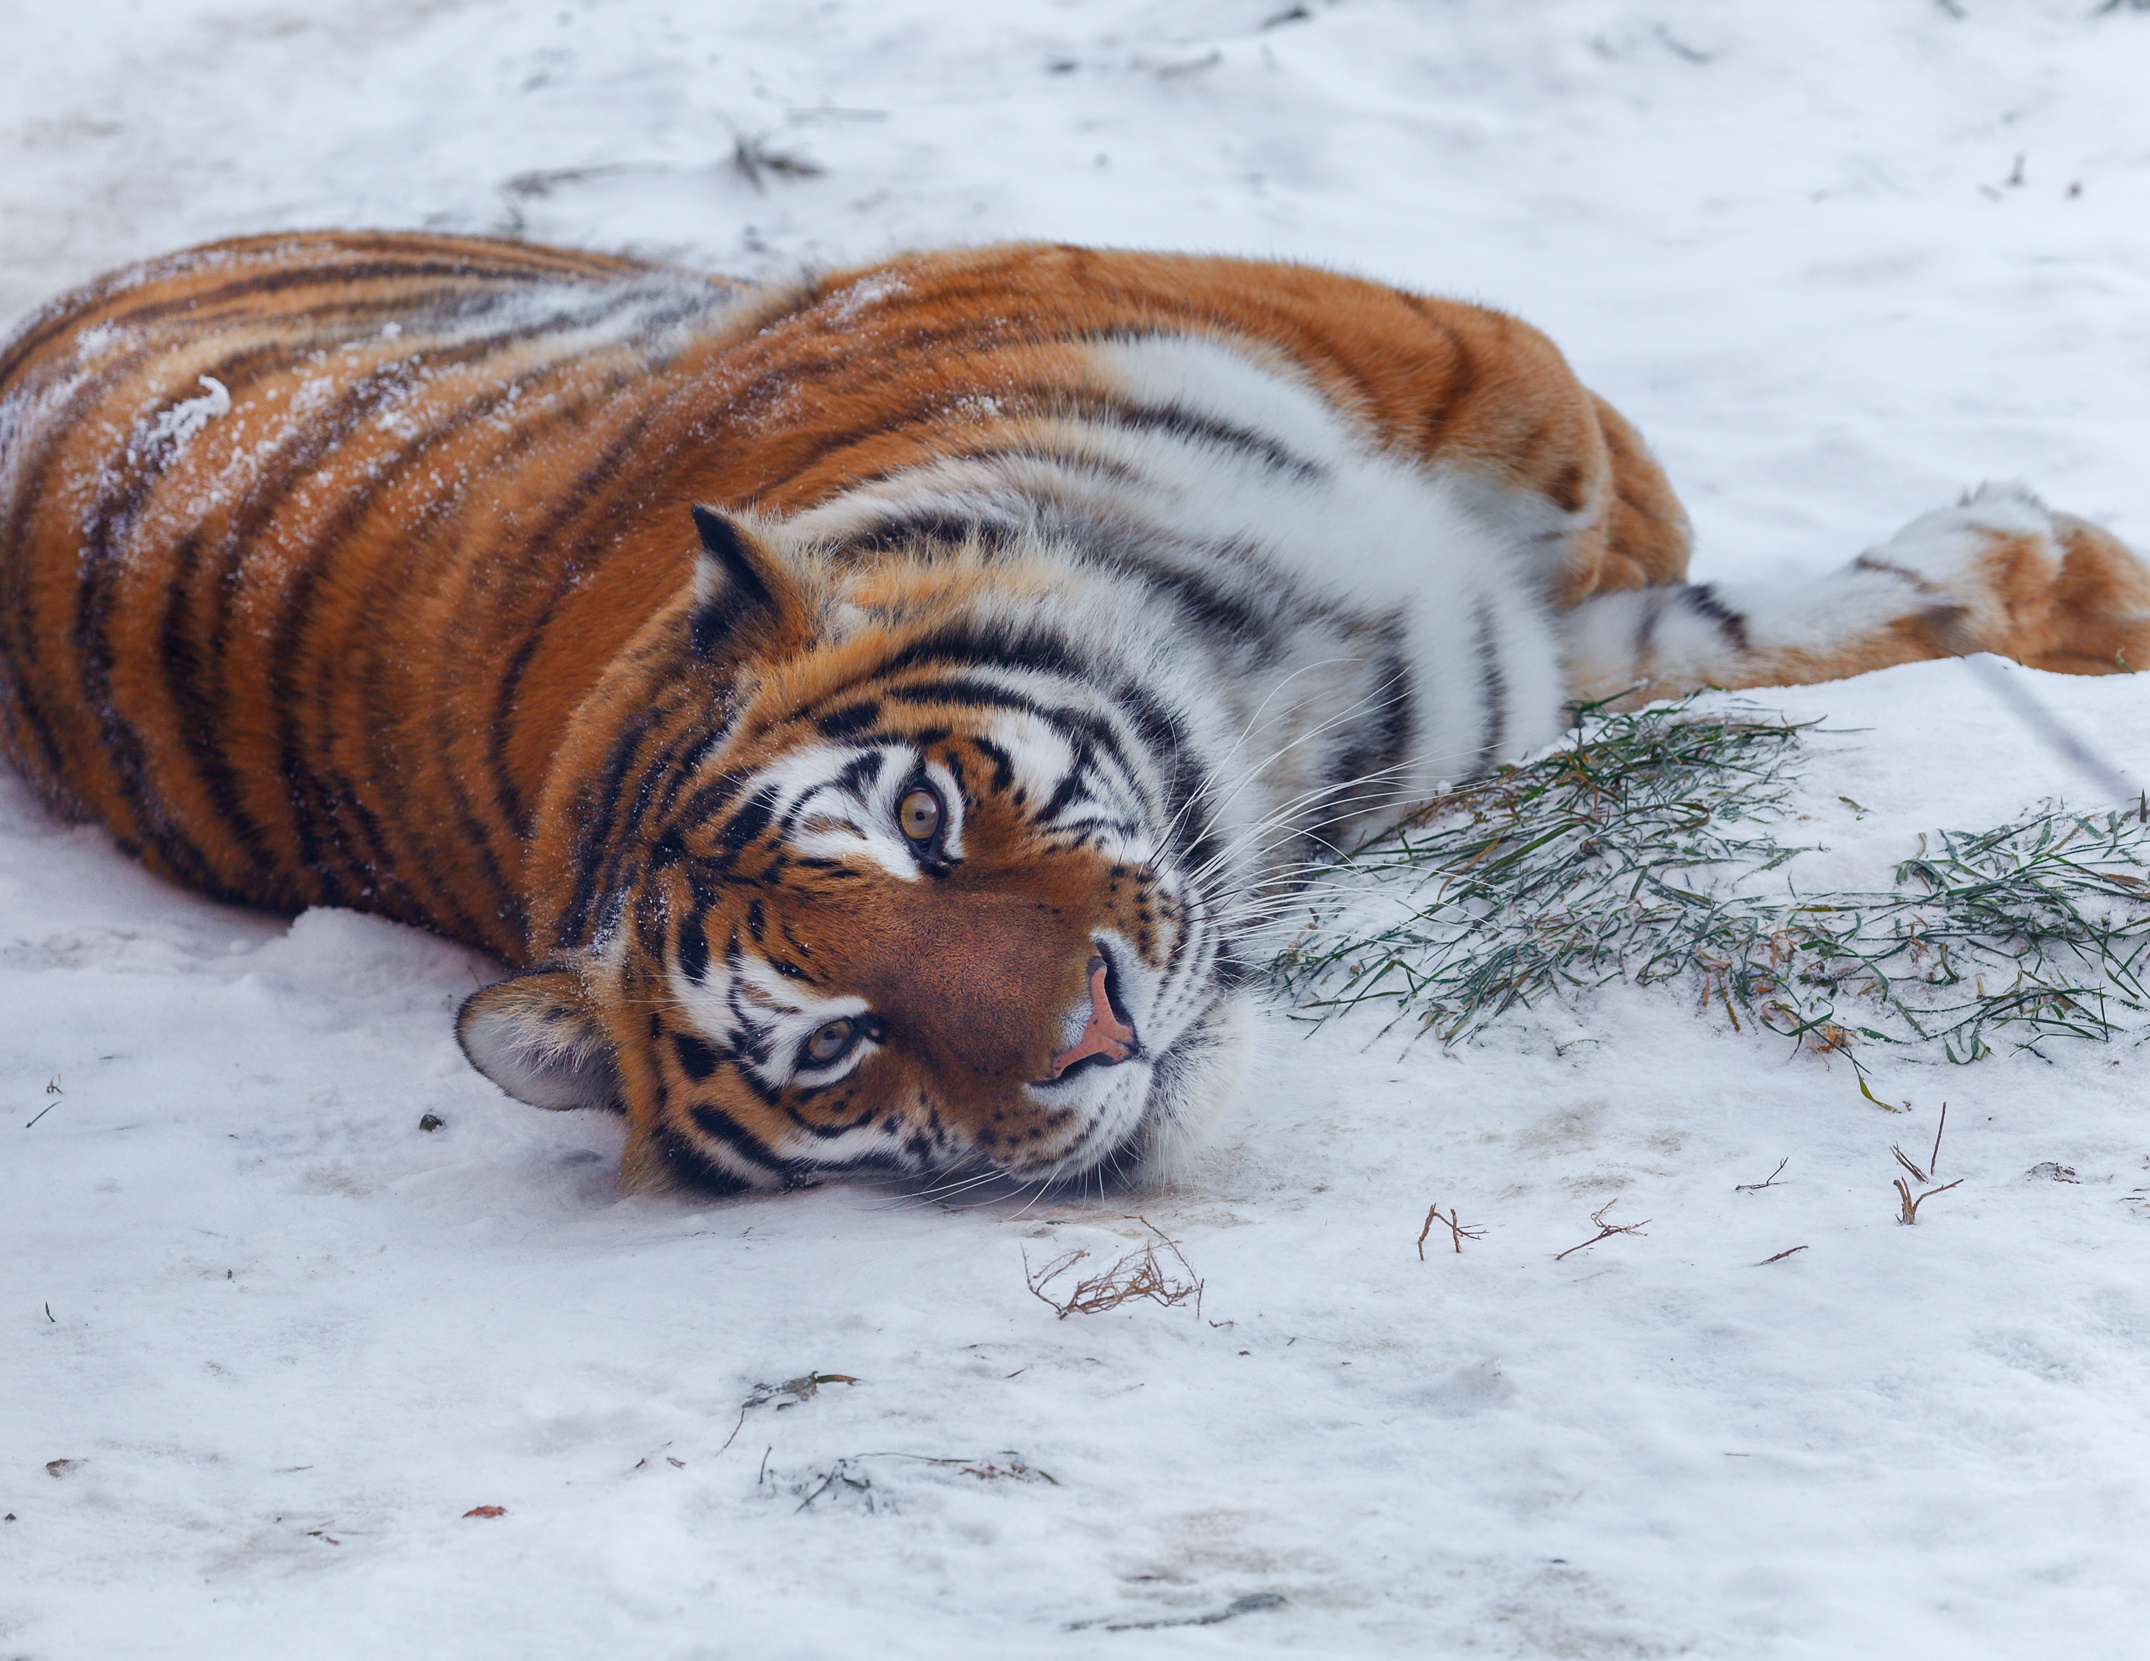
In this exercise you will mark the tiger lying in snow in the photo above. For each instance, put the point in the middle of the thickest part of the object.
(870, 712)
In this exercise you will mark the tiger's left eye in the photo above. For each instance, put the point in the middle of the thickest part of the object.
(831, 1040)
(918, 815)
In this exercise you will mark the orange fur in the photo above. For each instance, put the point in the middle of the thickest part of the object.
(307, 610)
(356, 570)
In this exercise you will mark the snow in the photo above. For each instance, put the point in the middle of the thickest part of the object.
(178, 424)
(287, 1338)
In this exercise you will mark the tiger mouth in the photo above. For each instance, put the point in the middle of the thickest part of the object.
(1115, 1151)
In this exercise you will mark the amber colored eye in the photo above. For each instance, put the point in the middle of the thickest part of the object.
(831, 1040)
(918, 815)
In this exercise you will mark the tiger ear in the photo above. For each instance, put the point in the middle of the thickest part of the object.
(739, 585)
(537, 1037)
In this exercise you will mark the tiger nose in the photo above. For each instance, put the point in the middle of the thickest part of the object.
(1105, 1038)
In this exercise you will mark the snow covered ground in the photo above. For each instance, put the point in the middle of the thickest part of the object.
(265, 1342)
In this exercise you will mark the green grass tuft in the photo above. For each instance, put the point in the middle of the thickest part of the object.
(1635, 853)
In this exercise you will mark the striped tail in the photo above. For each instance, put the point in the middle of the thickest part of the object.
(1999, 572)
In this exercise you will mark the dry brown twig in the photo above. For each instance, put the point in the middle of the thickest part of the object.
(1769, 1181)
(1457, 1232)
(1910, 1205)
(1933, 1160)
(1139, 1274)
(1908, 1208)
(1605, 1230)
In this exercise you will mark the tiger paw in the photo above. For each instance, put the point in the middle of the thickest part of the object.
(2008, 575)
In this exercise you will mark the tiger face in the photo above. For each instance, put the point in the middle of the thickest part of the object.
(947, 909)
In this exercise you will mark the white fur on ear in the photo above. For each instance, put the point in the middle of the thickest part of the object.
(538, 1039)
(740, 583)
(733, 567)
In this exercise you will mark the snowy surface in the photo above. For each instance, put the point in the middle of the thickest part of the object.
(285, 1339)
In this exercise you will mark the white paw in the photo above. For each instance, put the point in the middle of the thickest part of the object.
(1948, 553)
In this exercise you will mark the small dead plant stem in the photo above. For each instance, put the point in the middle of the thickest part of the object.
(1910, 1207)
(1605, 1230)
(1457, 1232)
(1169, 1280)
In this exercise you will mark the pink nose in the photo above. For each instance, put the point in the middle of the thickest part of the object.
(1103, 1034)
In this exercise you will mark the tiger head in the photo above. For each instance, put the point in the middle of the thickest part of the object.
(875, 866)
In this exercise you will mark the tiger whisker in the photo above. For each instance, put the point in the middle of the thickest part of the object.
(956, 1186)
(1249, 778)
(1361, 790)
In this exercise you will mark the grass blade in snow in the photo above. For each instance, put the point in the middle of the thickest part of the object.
(1634, 852)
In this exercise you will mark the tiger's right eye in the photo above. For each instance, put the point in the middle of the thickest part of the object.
(918, 815)
(831, 1041)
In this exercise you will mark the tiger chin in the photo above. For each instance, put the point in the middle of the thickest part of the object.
(877, 716)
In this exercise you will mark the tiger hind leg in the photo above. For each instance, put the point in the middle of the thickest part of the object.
(1999, 572)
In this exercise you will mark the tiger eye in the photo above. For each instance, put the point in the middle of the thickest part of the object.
(919, 815)
(829, 1040)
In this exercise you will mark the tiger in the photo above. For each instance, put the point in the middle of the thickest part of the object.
(871, 714)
